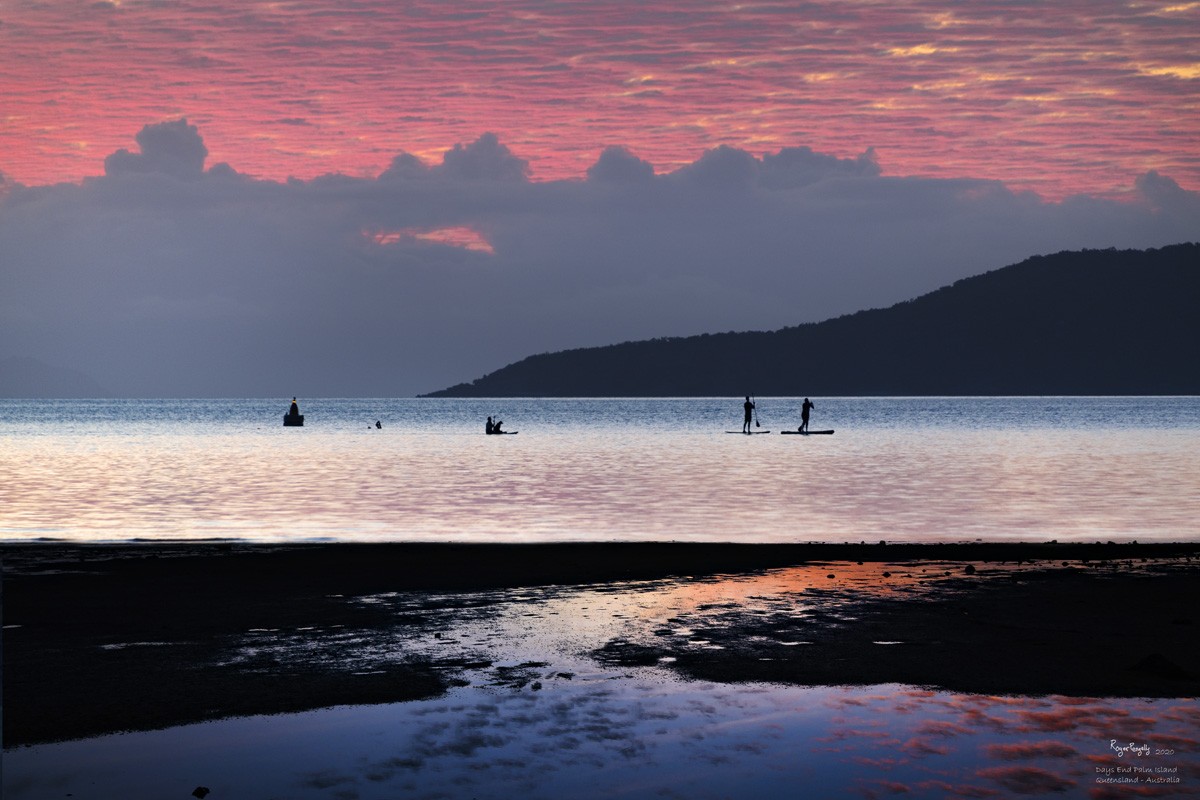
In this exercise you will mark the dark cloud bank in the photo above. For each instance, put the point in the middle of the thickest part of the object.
(164, 278)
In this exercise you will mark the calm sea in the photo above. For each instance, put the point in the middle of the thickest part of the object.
(899, 469)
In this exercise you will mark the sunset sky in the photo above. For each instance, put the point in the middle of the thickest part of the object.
(614, 169)
(1062, 97)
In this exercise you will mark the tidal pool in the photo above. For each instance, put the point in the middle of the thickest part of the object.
(533, 714)
(598, 735)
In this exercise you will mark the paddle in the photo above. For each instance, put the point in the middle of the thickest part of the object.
(752, 400)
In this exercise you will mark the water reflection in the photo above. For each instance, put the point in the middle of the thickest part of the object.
(917, 469)
(592, 735)
(538, 717)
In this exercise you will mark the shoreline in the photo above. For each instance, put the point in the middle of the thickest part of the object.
(102, 638)
(457, 565)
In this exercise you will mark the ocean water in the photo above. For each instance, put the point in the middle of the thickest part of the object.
(897, 469)
(538, 715)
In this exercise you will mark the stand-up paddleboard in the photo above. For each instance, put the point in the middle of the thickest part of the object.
(503, 433)
(807, 433)
(747, 433)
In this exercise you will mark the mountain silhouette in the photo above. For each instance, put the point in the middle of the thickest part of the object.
(1091, 322)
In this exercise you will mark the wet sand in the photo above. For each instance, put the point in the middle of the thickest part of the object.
(101, 638)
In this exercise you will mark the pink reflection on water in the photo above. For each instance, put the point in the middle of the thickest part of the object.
(422, 481)
(577, 728)
(985, 748)
(603, 735)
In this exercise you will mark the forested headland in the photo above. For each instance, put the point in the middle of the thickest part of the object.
(1091, 322)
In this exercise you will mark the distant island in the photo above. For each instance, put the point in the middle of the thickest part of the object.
(1090, 322)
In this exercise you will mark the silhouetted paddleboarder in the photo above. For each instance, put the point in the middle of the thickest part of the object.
(490, 428)
(749, 408)
(804, 409)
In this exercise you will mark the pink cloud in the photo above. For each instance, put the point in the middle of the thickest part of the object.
(1075, 97)
(621, 255)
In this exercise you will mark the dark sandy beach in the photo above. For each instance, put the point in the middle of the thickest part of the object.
(101, 638)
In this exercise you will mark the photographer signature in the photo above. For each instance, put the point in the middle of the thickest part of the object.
(1131, 748)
